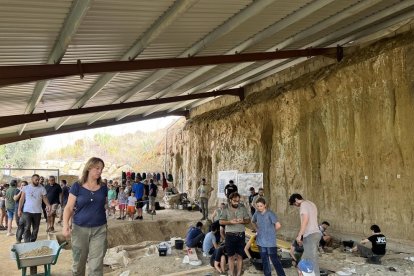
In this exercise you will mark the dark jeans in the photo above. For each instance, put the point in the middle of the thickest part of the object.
(31, 220)
(271, 252)
(20, 227)
(196, 242)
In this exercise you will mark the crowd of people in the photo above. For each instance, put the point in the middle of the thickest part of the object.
(84, 207)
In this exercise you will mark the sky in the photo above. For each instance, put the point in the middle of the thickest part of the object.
(60, 140)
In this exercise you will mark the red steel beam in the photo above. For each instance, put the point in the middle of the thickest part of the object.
(25, 73)
(6, 139)
(13, 120)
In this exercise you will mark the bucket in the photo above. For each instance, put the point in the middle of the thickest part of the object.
(179, 244)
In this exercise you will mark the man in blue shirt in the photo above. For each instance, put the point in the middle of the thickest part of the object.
(138, 189)
(195, 236)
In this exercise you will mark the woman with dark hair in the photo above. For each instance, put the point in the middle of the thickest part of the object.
(378, 241)
(87, 203)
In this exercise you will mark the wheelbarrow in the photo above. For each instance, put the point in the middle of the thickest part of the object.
(46, 260)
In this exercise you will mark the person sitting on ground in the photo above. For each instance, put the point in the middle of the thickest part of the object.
(132, 200)
(215, 218)
(296, 251)
(251, 249)
(210, 242)
(378, 241)
(195, 236)
(219, 259)
(326, 240)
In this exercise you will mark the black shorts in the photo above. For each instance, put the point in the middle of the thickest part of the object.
(139, 204)
(235, 243)
(322, 242)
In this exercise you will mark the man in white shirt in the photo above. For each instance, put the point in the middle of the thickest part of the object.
(32, 197)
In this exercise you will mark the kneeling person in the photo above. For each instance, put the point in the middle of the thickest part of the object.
(210, 242)
(219, 259)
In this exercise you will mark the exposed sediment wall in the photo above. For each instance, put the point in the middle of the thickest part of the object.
(342, 136)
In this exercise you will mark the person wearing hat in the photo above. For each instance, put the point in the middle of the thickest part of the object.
(306, 268)
(309, 229)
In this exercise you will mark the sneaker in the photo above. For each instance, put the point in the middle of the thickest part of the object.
(9, 234)
(141, 217)
(118, 218)
(130, 219)
(205, 255)
(52, 229)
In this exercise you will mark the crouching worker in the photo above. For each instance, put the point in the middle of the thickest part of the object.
(251, 249)
(378, 248)
(195, 236)
(219, 259)
(296, 251)
(210, 242)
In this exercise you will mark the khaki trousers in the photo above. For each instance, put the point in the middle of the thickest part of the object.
(88, 245)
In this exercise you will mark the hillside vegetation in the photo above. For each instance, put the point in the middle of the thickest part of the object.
(142, 151)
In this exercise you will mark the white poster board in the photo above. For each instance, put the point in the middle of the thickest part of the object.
(223, 179)
(247, 180)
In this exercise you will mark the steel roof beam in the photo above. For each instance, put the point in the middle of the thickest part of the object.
(300, 36)
(226, 27)
(269, 31)
(65, 70)
(70, 26)
(5, 139)
(7, 121)
(160, 25)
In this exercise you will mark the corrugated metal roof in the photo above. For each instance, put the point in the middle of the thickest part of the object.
(29, 31)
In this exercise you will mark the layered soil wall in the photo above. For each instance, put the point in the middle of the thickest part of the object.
(342, 136)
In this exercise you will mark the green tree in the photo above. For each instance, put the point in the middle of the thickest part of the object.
(20, 154)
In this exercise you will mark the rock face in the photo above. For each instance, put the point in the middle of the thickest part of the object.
(341, 136)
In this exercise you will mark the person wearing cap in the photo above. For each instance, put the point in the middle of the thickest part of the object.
(309, 229)
(306, 268)
(204, 192)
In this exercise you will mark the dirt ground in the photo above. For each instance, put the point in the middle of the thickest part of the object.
(141, 238)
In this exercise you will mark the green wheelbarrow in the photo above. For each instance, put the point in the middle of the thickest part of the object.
(46, 260)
